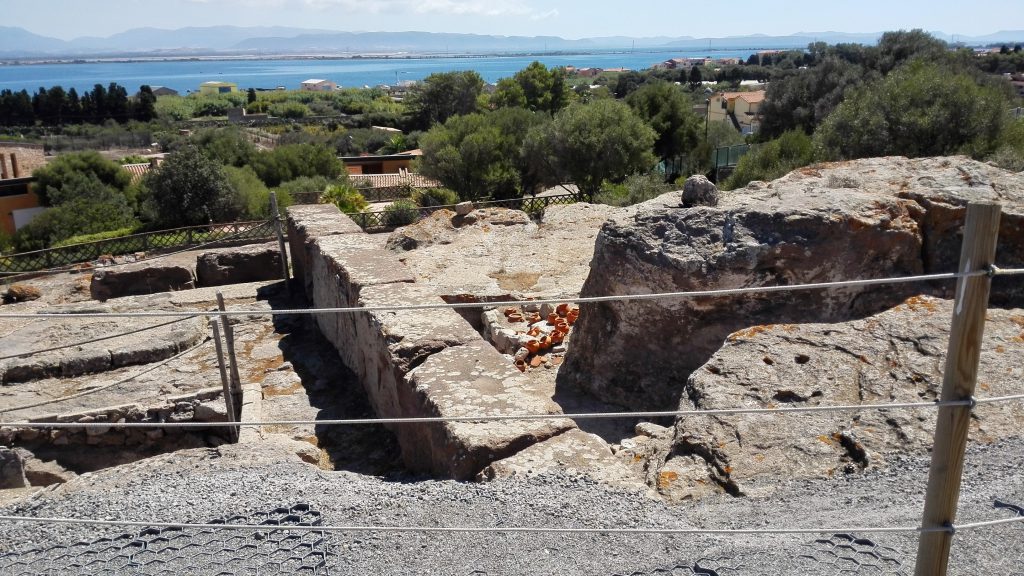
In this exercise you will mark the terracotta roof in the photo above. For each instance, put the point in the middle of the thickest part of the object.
(751, 97)
(136, 170)
(393, 180)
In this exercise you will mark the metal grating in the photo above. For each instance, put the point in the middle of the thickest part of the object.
(838, 554)
(175, 551)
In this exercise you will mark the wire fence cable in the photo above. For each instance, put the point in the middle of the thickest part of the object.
(574, 299)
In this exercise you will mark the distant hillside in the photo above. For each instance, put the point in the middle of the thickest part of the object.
(18, 42)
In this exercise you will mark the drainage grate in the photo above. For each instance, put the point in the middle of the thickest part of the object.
(174, 551)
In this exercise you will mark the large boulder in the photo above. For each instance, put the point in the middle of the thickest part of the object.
(874, 218)
(12, 469)
(893, 357)
(238, 265)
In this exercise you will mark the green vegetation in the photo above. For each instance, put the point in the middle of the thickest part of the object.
(591, 143)
(401, 213)
(910, 95)
(669, 112)
(636, 188)
(440, 96)
(480, 155)
(189, 188)
(345, 197)
(427, 197)
(534, 88)
(922, 109)
(773, 159)
(85, 238)
(292, 161)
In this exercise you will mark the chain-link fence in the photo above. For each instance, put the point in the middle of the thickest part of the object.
(146, 242)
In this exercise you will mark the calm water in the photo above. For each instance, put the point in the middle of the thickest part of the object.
(188, 75)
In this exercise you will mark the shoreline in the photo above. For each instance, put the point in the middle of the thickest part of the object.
(234, 57)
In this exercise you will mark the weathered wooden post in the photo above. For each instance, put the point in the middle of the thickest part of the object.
(229, 397)
(981, 230)
(276, 216)
(229, 339)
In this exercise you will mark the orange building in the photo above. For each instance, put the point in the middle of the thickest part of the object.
(18, 203)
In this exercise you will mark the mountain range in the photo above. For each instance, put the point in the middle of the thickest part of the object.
(268, 40)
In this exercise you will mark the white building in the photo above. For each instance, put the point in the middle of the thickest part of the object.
(317, 85)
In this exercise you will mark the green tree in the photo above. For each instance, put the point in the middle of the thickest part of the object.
(804, 98)
(535, 87)
(591, 143)
(145, 108)
(250, 96)
(922, 109)
(56, 182)
(88, 205)
(229, 146)
(189, 188)
(896, 48)
(669, 112)
(291, 161)
(443, 95)
(695, 77)
(251, 197)
(479, 155)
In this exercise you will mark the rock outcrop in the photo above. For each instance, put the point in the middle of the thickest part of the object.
(892, 357)
(872, 218)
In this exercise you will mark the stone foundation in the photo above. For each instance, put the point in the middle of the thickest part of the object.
(426, 363)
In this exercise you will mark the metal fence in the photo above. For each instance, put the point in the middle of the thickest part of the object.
(173, 551)
(396, 216)
(51, 258)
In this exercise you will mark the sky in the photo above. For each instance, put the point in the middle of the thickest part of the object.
(68, 19)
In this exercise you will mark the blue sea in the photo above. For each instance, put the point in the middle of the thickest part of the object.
(187, 75)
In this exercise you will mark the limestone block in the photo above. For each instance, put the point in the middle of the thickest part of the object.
(141, 278)
(250, 263)
(472, 380)
(572, 450)
(306, 223)
(390, 344)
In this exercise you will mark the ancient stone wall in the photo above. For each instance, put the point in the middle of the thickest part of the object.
(414, 363)
(205, 405)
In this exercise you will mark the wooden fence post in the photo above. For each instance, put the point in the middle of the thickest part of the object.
(229, 397)
(229, 339)
(276, 216)
(981, 231)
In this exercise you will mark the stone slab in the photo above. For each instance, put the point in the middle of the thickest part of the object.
(391, 343)
(237, 265)
(573, 450)
(468, 381)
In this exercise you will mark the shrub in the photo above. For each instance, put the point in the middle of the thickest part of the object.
(83, 238)
(427, 197)
(773, 159)
(289, 110)
(401, 213)
(345, 197)
(635, 189)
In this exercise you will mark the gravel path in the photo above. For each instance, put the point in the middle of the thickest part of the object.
(209, 484)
